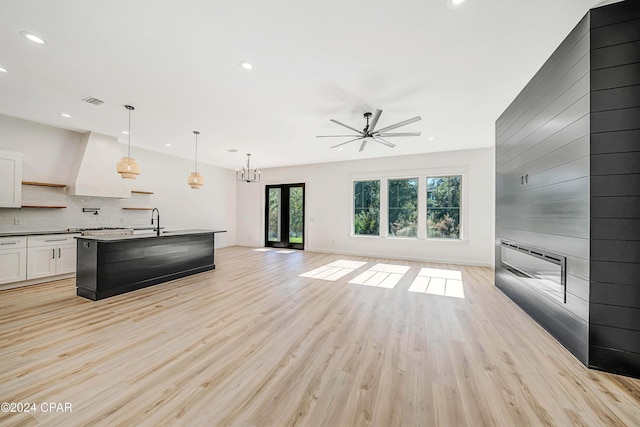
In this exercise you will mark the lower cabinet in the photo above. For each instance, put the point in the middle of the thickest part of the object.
(51, 255)
(13, 259)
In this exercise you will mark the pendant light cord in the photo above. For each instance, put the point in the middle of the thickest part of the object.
(129, 135)
(197, 133)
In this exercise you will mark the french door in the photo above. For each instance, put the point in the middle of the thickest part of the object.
(284, 216)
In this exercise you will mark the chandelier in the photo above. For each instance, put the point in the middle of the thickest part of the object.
(247, 174)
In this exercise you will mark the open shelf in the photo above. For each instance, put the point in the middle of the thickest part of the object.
(44, 184)
(137, 209)
(141, 192)
(43, 207)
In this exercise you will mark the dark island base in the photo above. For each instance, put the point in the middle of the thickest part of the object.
(98, 295)
(110, 267)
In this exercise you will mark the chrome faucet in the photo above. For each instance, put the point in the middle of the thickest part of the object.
(157, 229)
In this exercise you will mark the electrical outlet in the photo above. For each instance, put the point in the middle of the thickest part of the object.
(17, 221)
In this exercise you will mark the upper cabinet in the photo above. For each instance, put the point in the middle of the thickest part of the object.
(10, 179)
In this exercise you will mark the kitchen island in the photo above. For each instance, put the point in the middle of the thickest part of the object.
(112, 265)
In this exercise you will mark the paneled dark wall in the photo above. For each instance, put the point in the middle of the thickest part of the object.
(544, 135)
(614, 308)
(574, 130)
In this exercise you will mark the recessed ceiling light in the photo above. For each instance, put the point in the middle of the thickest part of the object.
(32, 38)
(167, 144)
(125, 132)
(2, 70)
(65, 115)
(455, 3)
(246, 65)
(431, 138)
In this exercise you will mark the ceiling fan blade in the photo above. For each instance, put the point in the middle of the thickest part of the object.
(364, 143)
(374, 120)
(399, 134)
(383, 142)
(336, 136)
(342, 143)
(347, 126)
(397, 125)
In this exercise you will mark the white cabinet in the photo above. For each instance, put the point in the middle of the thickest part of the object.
(50, 255)
(13, 259)
(10, 179)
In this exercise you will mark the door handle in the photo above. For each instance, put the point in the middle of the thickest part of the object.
(59, 253)
(53, 253)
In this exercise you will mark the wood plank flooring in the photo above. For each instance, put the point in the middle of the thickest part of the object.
(255, 344)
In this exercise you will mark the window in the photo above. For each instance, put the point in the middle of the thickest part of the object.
(366, 208)
(403, 207)
(443, 207)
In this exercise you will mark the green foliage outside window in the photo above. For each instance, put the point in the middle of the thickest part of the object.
(274, 215)
(366, 203)
(443, 207)
(295, 214)
(403, 207)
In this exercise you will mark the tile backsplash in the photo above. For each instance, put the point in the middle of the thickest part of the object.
(110, 214)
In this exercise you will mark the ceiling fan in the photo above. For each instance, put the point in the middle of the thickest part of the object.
(369, 132)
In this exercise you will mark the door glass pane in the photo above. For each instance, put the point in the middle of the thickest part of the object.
(295, 215)
(275, 201)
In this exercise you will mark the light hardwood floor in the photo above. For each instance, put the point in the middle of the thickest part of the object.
(255, 344)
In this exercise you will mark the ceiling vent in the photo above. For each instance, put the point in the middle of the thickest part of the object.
(92, 100)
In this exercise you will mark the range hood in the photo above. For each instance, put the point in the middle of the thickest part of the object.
(94, 168)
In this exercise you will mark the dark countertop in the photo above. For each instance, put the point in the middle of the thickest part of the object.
(107, 239)
(36, 233)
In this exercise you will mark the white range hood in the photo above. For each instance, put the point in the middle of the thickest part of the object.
(94, 169)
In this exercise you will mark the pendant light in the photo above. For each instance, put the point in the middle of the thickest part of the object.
(195, 179)
(247, 174)
(127, 166)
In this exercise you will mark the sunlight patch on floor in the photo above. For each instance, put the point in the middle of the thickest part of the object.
(285, 251)
(263, 249)
(381, 276)
(435, 281)
(334, 271)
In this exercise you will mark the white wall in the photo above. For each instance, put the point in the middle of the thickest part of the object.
(48, 155)
(238, 207)
(328, 206)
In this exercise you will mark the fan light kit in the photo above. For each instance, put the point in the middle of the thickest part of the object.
(127, 166)
(368, 133)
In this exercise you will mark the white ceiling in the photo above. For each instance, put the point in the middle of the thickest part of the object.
(176, 62)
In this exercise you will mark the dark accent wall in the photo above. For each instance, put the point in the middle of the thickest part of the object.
(573, 133)
(544, 135)
(614, 306)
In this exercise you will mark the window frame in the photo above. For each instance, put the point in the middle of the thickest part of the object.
(422, 175)
(461, 208)
(388, 207)
(353, 207)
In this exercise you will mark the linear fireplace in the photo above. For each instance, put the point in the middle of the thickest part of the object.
(543, 270)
